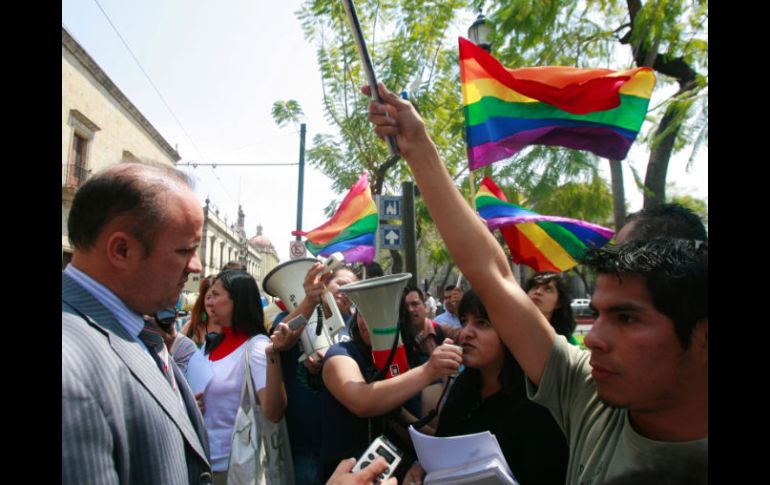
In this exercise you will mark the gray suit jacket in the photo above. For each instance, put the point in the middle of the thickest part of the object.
(121, 421)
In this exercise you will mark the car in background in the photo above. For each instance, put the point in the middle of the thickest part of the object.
(584, 315)
(581, 306)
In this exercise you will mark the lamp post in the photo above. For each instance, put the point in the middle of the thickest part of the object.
(480, 32)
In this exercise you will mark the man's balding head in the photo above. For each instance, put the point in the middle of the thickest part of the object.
(133, 190)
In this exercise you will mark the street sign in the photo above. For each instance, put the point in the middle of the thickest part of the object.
(390, 207)
(390, 236)
(297, 250)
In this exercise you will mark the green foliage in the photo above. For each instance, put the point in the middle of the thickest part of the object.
(591, 201)
(284, 112)
(392, 30)
(588, 34)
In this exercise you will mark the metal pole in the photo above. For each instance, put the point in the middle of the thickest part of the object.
(301, 184)
(410, 231)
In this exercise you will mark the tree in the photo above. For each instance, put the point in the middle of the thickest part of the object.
(408, 50)
(667, 35)
(287, 112)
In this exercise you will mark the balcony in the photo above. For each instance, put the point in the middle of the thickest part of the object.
(72, 177)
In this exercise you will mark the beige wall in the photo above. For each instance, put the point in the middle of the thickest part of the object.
(118, 130)
(94, 107)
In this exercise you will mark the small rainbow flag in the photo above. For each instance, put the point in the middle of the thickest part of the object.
(598, 110)
(351, 229)
(544, 243)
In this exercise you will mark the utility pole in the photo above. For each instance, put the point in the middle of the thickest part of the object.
(410, 231)
(301, 184)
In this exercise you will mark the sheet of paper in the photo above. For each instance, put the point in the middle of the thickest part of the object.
(436, 453)
(199, 372)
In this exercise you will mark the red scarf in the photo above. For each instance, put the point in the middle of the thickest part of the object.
(230, 342)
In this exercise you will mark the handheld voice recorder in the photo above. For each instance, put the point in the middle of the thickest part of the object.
(383, 447)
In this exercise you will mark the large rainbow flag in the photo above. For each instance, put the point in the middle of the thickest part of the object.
(351, 229)
(544, 243)
(598, 110)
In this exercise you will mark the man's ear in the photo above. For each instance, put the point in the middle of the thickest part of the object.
(121, 249)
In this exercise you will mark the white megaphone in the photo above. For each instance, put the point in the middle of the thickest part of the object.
(378, 300)
(285, 282)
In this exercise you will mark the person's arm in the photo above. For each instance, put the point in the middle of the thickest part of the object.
(343, 378)
(314, 285)
(272, 397)
(474, 249)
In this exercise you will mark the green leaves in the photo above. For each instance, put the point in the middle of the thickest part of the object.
(284, 112)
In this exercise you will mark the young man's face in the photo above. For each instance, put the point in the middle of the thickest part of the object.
(637, 359)
(452, 300)
(417, 310)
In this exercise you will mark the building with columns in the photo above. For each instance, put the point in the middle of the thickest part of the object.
(222, 242)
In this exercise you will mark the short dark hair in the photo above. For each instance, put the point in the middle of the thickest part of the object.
(409, 289)
(371, 270)
(248, 316)
(666, 220)
(130, 188)
(562, 319)
(234, 264)
(675, 273)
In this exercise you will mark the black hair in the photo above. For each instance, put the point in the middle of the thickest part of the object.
(248, 316)
(666, 220)
(234, 264)
(130, 188)
(675, 273)
(370, 270)
(510, 373)
(562, 318)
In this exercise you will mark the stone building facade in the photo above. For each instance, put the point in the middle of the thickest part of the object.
(100, 127)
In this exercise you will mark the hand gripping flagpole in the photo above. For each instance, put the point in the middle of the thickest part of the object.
(358, 36)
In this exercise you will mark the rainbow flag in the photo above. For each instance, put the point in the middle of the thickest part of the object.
(598, 110)
(544, 243)
(351, 229)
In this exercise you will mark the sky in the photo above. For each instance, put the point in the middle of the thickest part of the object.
(215, 69)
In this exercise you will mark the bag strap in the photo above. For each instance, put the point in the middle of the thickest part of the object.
(248, 395)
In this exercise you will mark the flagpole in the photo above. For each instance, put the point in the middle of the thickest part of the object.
(472, 183)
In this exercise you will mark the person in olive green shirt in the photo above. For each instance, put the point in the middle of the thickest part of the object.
(643, 384)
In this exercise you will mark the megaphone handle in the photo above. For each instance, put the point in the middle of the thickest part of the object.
(320, 317)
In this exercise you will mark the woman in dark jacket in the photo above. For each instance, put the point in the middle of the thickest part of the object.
(490, 395)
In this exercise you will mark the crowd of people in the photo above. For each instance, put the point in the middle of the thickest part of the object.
(500, 357)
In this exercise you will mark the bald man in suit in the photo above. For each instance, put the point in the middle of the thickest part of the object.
(128, 415)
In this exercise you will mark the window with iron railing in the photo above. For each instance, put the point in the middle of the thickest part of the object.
(76, 171)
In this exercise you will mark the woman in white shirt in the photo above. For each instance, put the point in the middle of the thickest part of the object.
(234, 303)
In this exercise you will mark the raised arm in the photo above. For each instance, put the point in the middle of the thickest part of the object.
(474, 249)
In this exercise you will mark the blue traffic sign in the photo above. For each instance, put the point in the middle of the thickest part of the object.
(390, 207)
(390, 236)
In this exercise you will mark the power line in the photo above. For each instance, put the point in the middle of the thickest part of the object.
(149, 79)
(215, 165)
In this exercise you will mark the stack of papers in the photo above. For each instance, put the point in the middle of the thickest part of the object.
(455, 460)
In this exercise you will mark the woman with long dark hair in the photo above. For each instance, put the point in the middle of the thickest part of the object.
(490, 395)
(233, 302)
(549, 292)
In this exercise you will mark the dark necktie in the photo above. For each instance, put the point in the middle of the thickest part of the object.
(154, 342)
